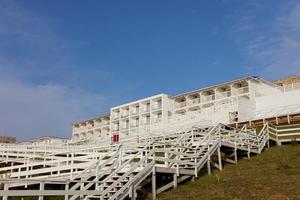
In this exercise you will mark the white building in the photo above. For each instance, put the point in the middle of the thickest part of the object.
(242, 101)
(46, 140)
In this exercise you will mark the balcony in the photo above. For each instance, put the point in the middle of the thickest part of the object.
(223, 95)
(242, 90)
(115, 116)
(145, 109)
(145, 123)
(156, 106)
(156, 120)
(105, 123)
(125, 114)
(115, 129)
(194, 101)
(180, 104)
(125, 128)
(134, 112)
(209, 98)
(134, 125)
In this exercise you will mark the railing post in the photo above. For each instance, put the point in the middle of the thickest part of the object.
(175, 180)
(220, 159)
(153, 183)
(66, 189)
(196, 167)
(208, 165)
(235, 153)
(5, 189)
(42, 187)
(167, 157)
(81, 187)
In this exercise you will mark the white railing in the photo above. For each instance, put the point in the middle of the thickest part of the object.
(224, 94)
(145, 109)
(125, 114)
(156, 120)
(134, 112)
(208, 98)
(194, 101)
(188, 148)
(156, 107)
(241, 90)
(180, 104)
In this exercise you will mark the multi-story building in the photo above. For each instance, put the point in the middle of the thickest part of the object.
(244, 100)
(98, 127)
(140, 116)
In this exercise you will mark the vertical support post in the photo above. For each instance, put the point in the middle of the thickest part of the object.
(235, 155)
(193, 179)
(133, 193)
(208, 165)
(42, 187)
(220, 159)
(248, 153)
(66, 189)
(166, 162)
(5, 189)
(81, 186)
(153, 183)
(196, 167)
(175, 180)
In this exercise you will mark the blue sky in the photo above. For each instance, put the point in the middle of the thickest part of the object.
(64, 61)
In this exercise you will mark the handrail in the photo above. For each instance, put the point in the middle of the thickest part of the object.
(97, 163)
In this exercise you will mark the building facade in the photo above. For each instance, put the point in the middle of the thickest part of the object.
(238, 101)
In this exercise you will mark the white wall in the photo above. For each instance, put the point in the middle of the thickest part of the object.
(246, 109)
(277, 100)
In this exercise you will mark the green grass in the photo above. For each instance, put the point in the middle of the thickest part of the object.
(273, 175)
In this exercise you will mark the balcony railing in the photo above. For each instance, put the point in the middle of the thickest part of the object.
(134, 112)
(116, 116)
(180, 104)
(222, 95)
(145, 123)
(125, 128)
(208, 98)
(124, 114)
(156, 120)
(242, 90)
(146, 109)
(134, 125)
(115, 129)
(156, 106)
(194, 101)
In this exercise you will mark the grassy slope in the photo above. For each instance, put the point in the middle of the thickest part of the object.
(274, 175)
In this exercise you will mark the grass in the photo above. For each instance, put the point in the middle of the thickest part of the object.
(272, 175)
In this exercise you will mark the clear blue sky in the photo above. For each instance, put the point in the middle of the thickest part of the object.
(63, 61)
